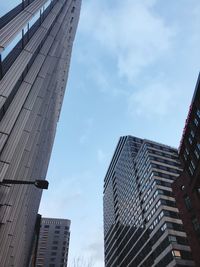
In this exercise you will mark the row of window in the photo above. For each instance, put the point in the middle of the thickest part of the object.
(153, 211)
(165, 155)
(5, 8)
(55, 248)
(173, 226)
(61, 260)
(164, 175)
(19, 36)
(56, 242)
(169, 162)
(148, 193)
(156, 166)
(57, 226)
(156, 221)
(161, 147)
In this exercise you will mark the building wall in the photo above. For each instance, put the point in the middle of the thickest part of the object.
(187, 187)
(145, 229)
(188, 204)
(118, 194)
(53, 243)
(33, 253)
(33, 76)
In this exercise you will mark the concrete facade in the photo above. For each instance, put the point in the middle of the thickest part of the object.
(187, 186)
(53, 243)
(35, 45)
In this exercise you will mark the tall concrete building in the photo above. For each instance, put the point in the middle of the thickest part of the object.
(187, 186)
(36, 39)
(53, 243)
(142, 227)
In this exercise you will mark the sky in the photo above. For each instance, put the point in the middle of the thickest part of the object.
(133, 71)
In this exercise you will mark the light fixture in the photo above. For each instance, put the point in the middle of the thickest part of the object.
(42, 184)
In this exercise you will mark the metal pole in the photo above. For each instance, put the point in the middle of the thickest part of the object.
(8, 181)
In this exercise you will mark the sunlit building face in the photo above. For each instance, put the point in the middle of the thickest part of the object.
(36, 39)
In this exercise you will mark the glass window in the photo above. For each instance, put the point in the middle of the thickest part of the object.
(185, 156)
(190, 140)
(163, 227)
(192, 133)
(198, 146)
(198, 113)
(196, 224)
(169, 225)
(8, 49)
(172, 239)
(193, 165)
(176, 253)
(196, 122)
(34, 19)
(196, 152)
(8, 5)
(191, 170)
(188, 202)
(47, 4)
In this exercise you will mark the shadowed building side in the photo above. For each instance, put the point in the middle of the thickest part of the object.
(142, 226)
(187, 186)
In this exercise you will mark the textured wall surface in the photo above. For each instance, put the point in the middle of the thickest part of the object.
(142, 226)
(33, 77)
(187, 186)
(53, 243)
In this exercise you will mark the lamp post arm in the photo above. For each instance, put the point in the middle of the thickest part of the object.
(9, 181)
(42, 184)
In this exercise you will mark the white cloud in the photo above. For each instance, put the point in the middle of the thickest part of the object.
(95, 248)
(153, 100)
(130, 32)
(59, 201)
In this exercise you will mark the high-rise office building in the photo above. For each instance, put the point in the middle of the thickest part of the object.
(36, 39)
(142, 227)
(53, 243)
(187, 186)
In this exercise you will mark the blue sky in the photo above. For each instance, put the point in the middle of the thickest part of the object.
(133, 71)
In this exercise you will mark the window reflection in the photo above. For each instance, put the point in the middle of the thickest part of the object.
(11, 46)
(8, 5)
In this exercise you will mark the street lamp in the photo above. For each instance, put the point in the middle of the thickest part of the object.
(42, 184)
